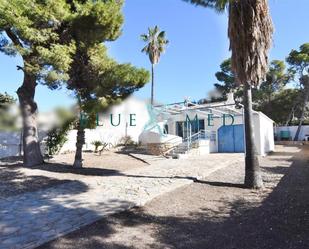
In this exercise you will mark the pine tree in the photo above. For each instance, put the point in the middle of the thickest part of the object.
(29, 28)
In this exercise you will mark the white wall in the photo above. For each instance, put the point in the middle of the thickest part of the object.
(265, 139)
(9, 144)
(106, 132)
(304, 131)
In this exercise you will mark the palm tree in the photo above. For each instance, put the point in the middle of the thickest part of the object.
(156, 44)
(250, 32)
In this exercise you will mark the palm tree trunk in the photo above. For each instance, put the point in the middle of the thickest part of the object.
(80, 141)
(253, 177)
(31, 146)
(152, 84)
(303, 111)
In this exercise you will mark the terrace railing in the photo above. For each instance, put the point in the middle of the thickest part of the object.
(187, 143)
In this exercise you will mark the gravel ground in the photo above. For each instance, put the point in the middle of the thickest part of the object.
(216, 212)
(16, 179)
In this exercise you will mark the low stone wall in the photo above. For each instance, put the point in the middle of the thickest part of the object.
(158, 149)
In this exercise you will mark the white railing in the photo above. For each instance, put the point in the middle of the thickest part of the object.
(188, 141)
(201, 135)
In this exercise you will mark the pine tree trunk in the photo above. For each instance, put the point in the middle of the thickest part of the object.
(31, 146)
(288, 120)
(80, 141)
(253, 177)
(152, 84)
(302, 116)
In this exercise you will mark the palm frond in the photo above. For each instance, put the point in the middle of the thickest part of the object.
(144, 37)
(145, 49)
(156, 43)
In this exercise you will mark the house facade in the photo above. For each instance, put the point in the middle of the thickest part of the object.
(215, 127)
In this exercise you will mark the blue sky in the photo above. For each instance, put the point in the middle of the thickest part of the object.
(198, 44)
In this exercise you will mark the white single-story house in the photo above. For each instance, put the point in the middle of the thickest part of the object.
(215, 127)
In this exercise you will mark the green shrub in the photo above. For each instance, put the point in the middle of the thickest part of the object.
(96, 145)
(57, 136)
(126, 141)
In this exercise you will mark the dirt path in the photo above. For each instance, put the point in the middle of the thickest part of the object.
(215, 213)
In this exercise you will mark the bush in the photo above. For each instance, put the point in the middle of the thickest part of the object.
(57, 136)
(126, 141)
(96, 145)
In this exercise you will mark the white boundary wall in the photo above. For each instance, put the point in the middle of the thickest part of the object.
(9, 143)
(292, 129)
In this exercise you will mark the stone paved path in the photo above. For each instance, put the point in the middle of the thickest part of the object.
(33, 218)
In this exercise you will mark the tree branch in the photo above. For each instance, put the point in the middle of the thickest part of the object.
(13, 37)
(20, 68)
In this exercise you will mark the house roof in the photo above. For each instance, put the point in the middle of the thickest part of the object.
(225, 107)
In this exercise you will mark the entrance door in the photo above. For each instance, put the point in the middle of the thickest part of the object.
(231, 139)
(186, 129)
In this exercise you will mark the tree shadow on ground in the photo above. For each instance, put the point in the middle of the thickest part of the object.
(280, 221)
(221, 184)
(11, 164)
(66, 168)
(34, 218)
(14, 182)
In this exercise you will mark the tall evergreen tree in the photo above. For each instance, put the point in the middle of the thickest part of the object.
(227, 82)
(299, 63)
(270, 90)
(276, 79)
(97, 80)
(28, 28)
(105, 83)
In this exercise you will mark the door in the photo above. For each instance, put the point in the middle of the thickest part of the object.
(231, 139)
(239, 138)
(185, 129)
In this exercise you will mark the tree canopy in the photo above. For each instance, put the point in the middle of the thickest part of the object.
(299, 64)
(268, 95)
(96, 79)
(6, 100)
(29, 28)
